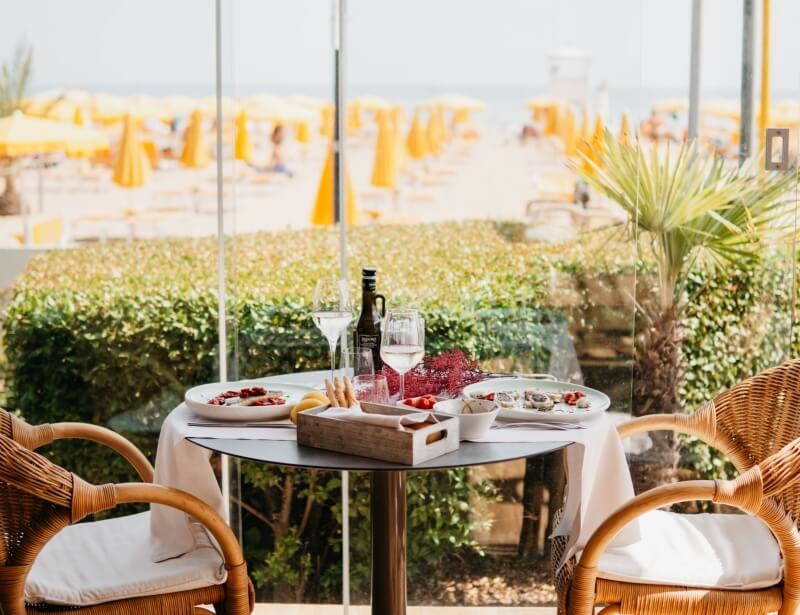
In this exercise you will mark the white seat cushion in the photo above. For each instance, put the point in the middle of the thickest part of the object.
(92, 563)
(704, 551)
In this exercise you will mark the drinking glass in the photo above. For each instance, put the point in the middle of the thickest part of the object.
(403, 343)
(332, 311)
(373, 389)
(357, 362)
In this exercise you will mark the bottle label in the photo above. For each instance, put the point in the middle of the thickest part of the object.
(368, 341)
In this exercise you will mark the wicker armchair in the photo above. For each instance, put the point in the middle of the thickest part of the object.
(756, 424)
(39, 498)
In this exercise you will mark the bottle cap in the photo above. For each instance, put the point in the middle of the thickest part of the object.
(369, 272)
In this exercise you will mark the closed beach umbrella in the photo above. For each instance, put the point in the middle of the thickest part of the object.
(570, 134)
(384, 163)
(195, 150)
(417, 140)
(323, 214)
(79, 117)
(326, 128)
(302, 132)
(595, 145)
(243, 149)
(21, 135)
(398, 116)
(444, 131)
(354, 119)
(434, 133)
(132, 165)
(625, 130)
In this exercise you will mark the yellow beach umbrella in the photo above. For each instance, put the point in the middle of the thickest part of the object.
(595, 145)
(79, 117)
(243, 148)
(372, 103)
(384, 163)
(355, 121)
(461, 117)
(322, 214)
(398, 116)
(625, 130)
(458, 102)
(434, 133)
(132, 165)
(417, 140)
(302, 132)
(444, 131)
(21, 135)
(195, 150)
(570, 134)
(326, 127)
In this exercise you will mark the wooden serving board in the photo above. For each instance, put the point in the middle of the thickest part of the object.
(412, 445)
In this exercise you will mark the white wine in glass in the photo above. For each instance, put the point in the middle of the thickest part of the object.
(403, 342)
(332, 312)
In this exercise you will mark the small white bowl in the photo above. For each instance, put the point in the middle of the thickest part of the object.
(475, 416)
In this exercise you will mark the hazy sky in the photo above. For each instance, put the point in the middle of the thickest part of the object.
(84, 43)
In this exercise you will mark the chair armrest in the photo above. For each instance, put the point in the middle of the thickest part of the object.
(701, 424)
(33, 437)
(111, 439)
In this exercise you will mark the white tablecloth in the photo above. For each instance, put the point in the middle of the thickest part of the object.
(598, 480)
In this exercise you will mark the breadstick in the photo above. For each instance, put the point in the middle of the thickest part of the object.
(349, 393)
(331, 392)
(339, 392)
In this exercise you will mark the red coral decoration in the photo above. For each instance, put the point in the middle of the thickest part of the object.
(444, 375)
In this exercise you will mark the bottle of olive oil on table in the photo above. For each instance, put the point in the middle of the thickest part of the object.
(368, 328)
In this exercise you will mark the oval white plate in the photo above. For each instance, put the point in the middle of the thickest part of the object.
(561, 412)
(197, 400)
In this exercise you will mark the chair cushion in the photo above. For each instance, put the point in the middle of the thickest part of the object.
(92, 563)
(704, 551)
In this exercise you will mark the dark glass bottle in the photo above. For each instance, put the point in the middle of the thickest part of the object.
(368, 328)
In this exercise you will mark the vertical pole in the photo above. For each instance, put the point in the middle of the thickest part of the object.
(340, 216)
(694, 69)
(222, 341)
(40, 185)
(748, 50)
(763, 117)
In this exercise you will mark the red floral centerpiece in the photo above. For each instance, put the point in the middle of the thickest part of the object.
(444, 375)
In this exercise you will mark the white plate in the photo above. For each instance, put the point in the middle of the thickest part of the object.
(197, 400)
(561, 412)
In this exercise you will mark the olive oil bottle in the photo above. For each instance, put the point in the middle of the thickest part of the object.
(368, 328)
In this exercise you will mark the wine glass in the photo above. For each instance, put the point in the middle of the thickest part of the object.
(356, 362)
(403, 343)
(374, 388)
(332, 311)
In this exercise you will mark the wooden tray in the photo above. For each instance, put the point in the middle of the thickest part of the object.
(409, 446)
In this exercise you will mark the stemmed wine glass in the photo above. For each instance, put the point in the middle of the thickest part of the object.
(403, 343)
(332, 311)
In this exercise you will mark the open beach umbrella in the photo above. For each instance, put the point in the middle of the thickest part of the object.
(326, 127)
(372, 103)
(458, 102)
(384, 162)
(417, 140)
(625, 130)
(306, 101)
(243, 149)
(322, 214)
(21, 135)
(132, 165)
(195, 150)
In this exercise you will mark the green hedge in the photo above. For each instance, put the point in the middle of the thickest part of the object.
(113, 334)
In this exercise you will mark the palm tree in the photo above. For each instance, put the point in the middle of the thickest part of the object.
(14, 78)
(694, 210)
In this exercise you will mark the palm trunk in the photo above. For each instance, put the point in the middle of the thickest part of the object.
(658, 373)
(10, 203)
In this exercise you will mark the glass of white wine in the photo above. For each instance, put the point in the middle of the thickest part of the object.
(403, 342)
(332, 311)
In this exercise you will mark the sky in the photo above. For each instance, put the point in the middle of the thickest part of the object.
(170, 43)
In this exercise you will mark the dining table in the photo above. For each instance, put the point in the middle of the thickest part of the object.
(388, 503)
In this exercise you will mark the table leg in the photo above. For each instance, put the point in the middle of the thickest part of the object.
(388, 505)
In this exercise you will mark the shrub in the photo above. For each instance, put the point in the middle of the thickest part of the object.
(113, 334)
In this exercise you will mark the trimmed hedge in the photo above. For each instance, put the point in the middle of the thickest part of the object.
(115, 333)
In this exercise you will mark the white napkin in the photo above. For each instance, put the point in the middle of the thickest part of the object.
(357, 415)
(598, 479)
(186, 466)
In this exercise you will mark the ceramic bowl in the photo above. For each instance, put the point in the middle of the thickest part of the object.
(475, 416)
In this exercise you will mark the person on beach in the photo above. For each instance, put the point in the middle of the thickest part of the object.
(276, 162)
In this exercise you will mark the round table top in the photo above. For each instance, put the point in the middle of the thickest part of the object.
(289, 453)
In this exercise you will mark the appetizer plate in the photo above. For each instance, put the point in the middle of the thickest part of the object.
(561, 412)
(198, 397)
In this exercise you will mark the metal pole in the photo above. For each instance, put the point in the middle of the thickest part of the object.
(339, 205)
(763, 117)
(694, 69)
(748, 51)
(222, 340)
